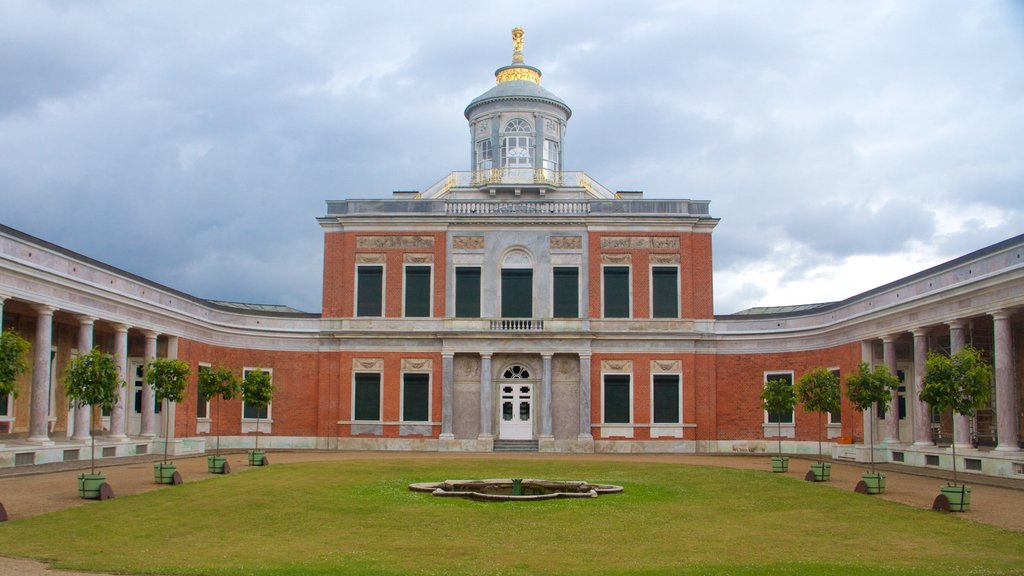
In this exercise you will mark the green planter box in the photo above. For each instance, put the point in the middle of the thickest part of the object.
(780, 463)
(822, 472)
(89, 485)
(256, 457)
(875, 482)
(959, 496)
(164, 473)
(215, 464)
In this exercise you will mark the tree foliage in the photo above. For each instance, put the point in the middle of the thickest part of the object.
(168, 377)
(13, 360)
(961, 382)
(818, 391)
(257, 388)
(93, 380)
(777, 396)
(219, 382)
(868, 386)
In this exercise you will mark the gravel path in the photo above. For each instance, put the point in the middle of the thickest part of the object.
(994, 501)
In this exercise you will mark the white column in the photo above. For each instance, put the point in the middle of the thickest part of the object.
(868, 416)
(585, 433)
(961, 423)
(38, 424)
(892, 415)
(447, 395)
(148, 424)
(922, 412)
(83, 413)
(545, 396)
(1007, 411)
(171, 407)
(486, 398)
(117, 414)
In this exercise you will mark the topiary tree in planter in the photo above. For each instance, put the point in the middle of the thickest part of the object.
(777, 398)
(865, 388)
(818, 391)
(13, 361)
(257, 391)
(222, 384)
(92, 380)
(961, 382)
(168, 377)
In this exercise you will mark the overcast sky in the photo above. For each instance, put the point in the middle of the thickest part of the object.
(843, 144)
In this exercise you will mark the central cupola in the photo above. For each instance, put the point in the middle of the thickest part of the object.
(517, 126)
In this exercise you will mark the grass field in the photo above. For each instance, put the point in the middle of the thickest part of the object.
(357, 517)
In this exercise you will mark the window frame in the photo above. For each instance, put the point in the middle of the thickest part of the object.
(405, 289)
(380, 397)
(604, 402)
(430, 399)
(270, 407)
(675, 287)
(479, 291)
(554, 292)
(200, 367)
(629, 291)
(484, 155)
(829, 421)
(679, 395)
(772, 375)
(7, 401)
(383, 291)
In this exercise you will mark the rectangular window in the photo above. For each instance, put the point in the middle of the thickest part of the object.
(516, 293)
(484, 155)
(370, 290)
(252, 412)
(366, 397)
(666, 399)
(551, 155)
(837, 416)
(467, 292)
(665, 292)
(616, 291)
(6, 406)
(417, 291)
(617, 401)
(415, 397)
(566, 282)
(202, 402)
(779, 417)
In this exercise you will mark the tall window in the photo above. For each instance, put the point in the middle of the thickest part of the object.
(252, 412)
(517, 145)
(779, 417)
(415, 397)
(837, 416)
(665, 292)
(666, 404)
(484, 155)
(417, 291)
(369, 291)
(366, 396)
(566, 287)
(617, 401)
(517, 285)
(202, 402)
(550, 155)
(467, 292)
(6, 406)
(616, 291)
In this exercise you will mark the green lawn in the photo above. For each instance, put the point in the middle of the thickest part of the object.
(357, 517)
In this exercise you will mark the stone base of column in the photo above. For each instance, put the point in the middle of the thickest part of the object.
(923, 444)
(965, 446)
(41, 440)
(448, 436)
(486, 437)
(1008, 448)
(147, 436)
(585, 438)
(77, 438)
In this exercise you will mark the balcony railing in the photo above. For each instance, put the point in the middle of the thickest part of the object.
(517, 325)
(476, 207)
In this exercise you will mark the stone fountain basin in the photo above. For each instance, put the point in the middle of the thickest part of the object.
(500, 489)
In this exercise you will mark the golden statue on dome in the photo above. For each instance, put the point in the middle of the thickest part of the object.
(518, 70)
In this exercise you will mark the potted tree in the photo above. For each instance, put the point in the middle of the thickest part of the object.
(92, 380)
(222, 384)
(818, 391)
(777, 398)
(257, 391)
(960, 382)
(865, 388)
(168, 377)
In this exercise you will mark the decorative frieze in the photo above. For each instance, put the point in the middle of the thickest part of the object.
(637, 242)
(421, 364)
(370, 258)
(666, 366)
(468, 242)
(566, 243)
(418, 258)
(617, 366)
(616, 258)
(664, 258)
(395, 242)
(364, 364)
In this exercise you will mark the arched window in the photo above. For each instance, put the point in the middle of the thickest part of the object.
(516, 372)
(517, 144)
(517, 284)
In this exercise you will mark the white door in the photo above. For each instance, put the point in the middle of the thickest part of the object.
(516, 411)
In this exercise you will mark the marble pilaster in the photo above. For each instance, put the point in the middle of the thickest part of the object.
(486, 398)
(1007, 412)
(117, 413)
(961, 423)
(447, 395)
(892, 415)
(922, 412)
(148, 416)
(545, 396)
(38, 425)
(83, 413)
(585, 433)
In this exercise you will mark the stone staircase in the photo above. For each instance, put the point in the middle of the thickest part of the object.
(515, 446)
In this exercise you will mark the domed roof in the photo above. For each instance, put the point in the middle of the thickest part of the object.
(518, 82)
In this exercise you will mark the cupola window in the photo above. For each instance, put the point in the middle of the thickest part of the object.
(517, 145)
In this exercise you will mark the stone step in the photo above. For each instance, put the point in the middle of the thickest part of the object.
(515, 446)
